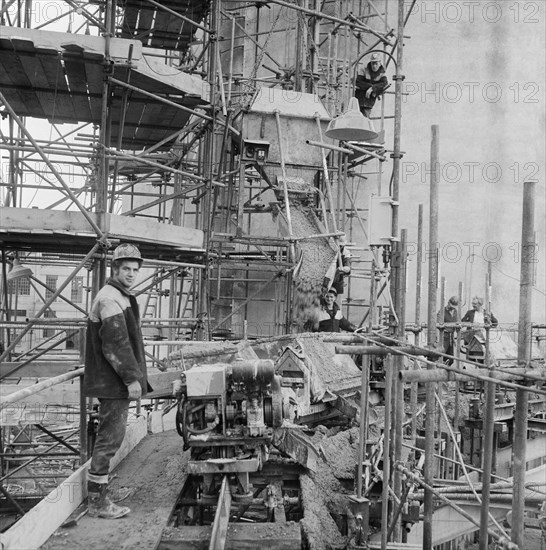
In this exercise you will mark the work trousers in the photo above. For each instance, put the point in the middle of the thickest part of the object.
(449, 341)
(112, 427)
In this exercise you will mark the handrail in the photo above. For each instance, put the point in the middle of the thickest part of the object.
(35, 388)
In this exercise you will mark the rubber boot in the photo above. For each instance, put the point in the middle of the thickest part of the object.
(100, 506)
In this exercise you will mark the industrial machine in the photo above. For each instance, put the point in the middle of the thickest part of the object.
(222, 404)
(226, 416)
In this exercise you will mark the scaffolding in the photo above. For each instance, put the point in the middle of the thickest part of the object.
(197, 133)
(164, 95)
(161, 105)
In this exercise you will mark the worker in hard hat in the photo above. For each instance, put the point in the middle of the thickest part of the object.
(330, 318)
(115, 371)
(370, 84)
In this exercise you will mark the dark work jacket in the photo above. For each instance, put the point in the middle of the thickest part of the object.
(333, 321)
(334, 275)
(114, 353)
(370, 79)
(469, 318)
(451, 315)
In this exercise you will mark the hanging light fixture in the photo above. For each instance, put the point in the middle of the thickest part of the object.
(17, 271)
(352, 125)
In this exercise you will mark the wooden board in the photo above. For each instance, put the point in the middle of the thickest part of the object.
(57, 89)
(14, 76)
(145, 19)
(166, 29)
(156, 469)
(59, 76)
(240, 536)
(73, 227)
(74, 63)
(59, 41)
(163, 32)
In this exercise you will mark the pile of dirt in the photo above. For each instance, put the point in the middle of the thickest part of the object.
(341, 452)
(325, 498)
(318, 526)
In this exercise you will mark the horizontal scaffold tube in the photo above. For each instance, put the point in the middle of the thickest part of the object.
(341, 338)
(530, 500)
(441, 375)
(416, 351)
(328, 146)
(35, 388)
(380, 350)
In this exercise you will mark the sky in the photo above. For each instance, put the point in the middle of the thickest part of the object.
(477, 70)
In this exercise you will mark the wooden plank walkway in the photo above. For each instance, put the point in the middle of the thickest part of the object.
(156, 469)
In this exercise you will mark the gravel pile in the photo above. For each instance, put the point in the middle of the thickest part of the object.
(316, 256)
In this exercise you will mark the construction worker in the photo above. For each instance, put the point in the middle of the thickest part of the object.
(330, 318)
(370, 84)
(115, 371)
(336, 274)
(451, 315)
(477, 315)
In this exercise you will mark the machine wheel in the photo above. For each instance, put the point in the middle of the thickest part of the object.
(268, 411)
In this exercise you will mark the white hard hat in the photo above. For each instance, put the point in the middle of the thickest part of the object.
(126, 251)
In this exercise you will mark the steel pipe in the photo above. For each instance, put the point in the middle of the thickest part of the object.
(524, 356)
(35, 388)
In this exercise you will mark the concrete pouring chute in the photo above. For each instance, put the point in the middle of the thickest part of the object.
(279, 122)
(297, 112)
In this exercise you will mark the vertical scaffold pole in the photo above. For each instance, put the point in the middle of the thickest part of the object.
(431, 334)
(397, 155)
(524, 356)
(398, 362)
(389, 374)
(488, 430)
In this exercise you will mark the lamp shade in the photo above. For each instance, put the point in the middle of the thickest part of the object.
(352, 125)
(17, 271)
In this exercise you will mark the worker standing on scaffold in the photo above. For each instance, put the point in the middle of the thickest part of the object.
(450, 315)
(330, 318)
(371, 84)
(477, 315)
(115, 371)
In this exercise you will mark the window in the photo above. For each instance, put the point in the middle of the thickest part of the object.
(51, 283)
(19, 286)
(76, 294)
